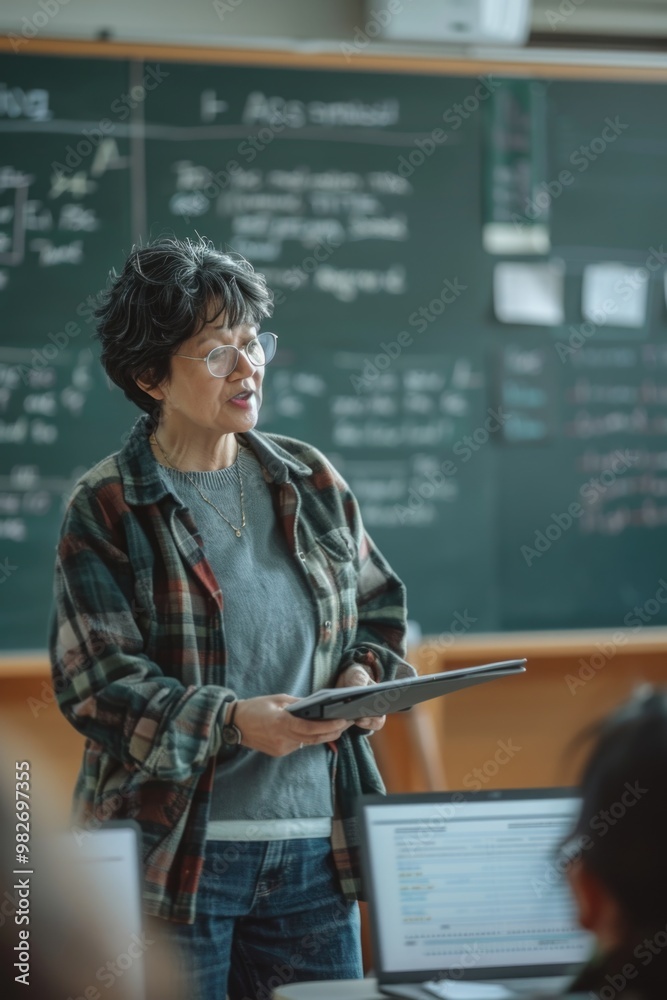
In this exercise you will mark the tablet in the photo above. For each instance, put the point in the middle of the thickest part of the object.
(395, 696)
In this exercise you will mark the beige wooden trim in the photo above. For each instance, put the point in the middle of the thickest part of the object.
(19, 665)
(574, 642)
(327, 60)
(487, 645)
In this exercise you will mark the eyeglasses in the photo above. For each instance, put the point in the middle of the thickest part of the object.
(222, 361)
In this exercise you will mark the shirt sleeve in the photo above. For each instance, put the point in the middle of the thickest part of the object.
(106, 686)
(381, 604)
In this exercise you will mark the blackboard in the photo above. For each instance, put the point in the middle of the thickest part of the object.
(363, 196)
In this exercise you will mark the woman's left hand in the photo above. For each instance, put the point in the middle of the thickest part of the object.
(356, 676)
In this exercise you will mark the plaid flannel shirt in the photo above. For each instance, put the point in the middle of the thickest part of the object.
(138, 652)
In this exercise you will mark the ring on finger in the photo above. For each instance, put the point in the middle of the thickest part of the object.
(301, 745)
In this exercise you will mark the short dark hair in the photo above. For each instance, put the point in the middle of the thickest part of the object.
(168, 291)
(624, 809)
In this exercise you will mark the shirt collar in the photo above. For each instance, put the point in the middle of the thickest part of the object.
(145, 481)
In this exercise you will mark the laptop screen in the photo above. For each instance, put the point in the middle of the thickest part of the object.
(472, 882)
(105, 865)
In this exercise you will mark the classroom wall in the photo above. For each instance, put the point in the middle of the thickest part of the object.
(517, 732)
(441, 744)
(198, 20)
(512, 733)
(204, 21)
(544, 713)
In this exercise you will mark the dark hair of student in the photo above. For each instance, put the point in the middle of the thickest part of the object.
(621, 833)
(167, 292)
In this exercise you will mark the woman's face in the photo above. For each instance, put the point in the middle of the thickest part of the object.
(192, 396)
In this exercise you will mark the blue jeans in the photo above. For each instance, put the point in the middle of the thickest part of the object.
(268, 913)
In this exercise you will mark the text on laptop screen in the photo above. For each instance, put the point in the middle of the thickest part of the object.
(472, 884)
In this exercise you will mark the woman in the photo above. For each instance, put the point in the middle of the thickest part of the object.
(201, 571)
(619, 867)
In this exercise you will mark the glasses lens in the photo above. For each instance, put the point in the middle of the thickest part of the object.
(268, 342)
(221, 361)
(255, 351)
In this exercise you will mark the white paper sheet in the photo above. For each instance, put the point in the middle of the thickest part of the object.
(614, 294)
(529, 293)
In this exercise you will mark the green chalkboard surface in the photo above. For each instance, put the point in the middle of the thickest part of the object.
(514, 474)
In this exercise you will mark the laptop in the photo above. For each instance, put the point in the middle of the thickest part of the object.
(106, 866)
(466, 888)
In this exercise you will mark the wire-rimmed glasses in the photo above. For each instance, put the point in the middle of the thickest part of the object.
(222, 361)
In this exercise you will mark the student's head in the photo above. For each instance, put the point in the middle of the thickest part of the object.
(166, 293)
(619, 876)
(60, 934)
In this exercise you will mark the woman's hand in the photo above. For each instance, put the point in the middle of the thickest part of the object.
(266, 727)
(357, 676)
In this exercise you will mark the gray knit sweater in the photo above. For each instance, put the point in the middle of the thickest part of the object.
(269, 624)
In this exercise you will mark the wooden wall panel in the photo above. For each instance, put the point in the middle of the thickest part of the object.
(508, 733)
(514, 732)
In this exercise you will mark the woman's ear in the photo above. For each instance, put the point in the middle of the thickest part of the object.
(155, 391)
(584, 890)
(598, 910)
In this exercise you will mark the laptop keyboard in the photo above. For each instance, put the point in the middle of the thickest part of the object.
(448, 990)
(507, 989)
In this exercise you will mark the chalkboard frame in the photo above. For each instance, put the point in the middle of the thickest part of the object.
(575, 65)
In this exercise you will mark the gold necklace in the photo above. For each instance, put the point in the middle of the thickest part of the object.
(205, 498)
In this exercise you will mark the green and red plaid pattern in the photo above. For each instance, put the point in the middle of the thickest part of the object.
(138, 655)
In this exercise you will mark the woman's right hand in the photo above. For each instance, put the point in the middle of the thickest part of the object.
(267, 727)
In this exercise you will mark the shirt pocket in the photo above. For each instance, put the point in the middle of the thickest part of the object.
(337, 553)
(330, 560)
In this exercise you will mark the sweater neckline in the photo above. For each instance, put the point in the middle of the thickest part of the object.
(214, 477)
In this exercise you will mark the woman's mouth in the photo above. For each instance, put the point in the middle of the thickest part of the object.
(242, 399)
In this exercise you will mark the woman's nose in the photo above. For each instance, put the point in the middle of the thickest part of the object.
(244, 365)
